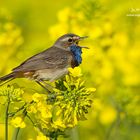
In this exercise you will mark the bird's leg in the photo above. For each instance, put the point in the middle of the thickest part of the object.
(39, 82)
(48, 86)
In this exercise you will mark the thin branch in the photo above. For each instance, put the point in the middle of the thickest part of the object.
(21, 108)
(14, 113)
(31, 120)
(6, 118)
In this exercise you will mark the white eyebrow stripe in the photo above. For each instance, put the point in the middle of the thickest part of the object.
(65, 39)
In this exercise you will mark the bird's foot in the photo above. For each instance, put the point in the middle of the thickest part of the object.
(43, 86)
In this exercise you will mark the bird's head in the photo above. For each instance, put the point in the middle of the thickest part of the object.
(68, 40)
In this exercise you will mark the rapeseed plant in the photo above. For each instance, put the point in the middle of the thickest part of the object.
(51, 114)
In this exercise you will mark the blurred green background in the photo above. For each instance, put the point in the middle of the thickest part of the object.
(111, 65)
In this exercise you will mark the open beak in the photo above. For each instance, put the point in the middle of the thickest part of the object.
(82, 38)
(84, 47)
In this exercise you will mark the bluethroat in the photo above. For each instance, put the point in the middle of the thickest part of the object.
(52, 63)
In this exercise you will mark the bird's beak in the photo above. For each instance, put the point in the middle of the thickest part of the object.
(82, 38)
(84, 47)
(78, 38)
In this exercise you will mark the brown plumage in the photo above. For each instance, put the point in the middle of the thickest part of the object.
(51, 58)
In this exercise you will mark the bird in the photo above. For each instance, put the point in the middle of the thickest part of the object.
(52, 63)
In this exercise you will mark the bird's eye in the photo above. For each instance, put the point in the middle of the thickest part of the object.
(70, 40)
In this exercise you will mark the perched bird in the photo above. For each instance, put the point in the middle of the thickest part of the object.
(52, 63)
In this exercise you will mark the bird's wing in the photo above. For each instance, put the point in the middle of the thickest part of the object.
(49, 59)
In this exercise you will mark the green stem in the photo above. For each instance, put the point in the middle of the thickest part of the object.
(6, 119)
(113, 127)
(74, 133)
(16, 132)
(15, 135)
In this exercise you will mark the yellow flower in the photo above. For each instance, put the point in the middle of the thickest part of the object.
(91, 89)
(106, 41)
(107, 27)
(37, 97)
(75, 121)
(64, 14)
(32, 109)
(18, 122)
(59, 123)
(76, 72)
(42, 137)
(108, 115)
(46, 111)
(106, 71)
(97, 32)
(120, 39)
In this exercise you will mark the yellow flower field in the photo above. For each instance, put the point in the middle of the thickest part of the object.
(101, 98)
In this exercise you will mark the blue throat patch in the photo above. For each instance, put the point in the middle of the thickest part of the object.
(77, 51)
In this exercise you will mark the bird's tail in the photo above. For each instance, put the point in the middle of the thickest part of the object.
(7, 78)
